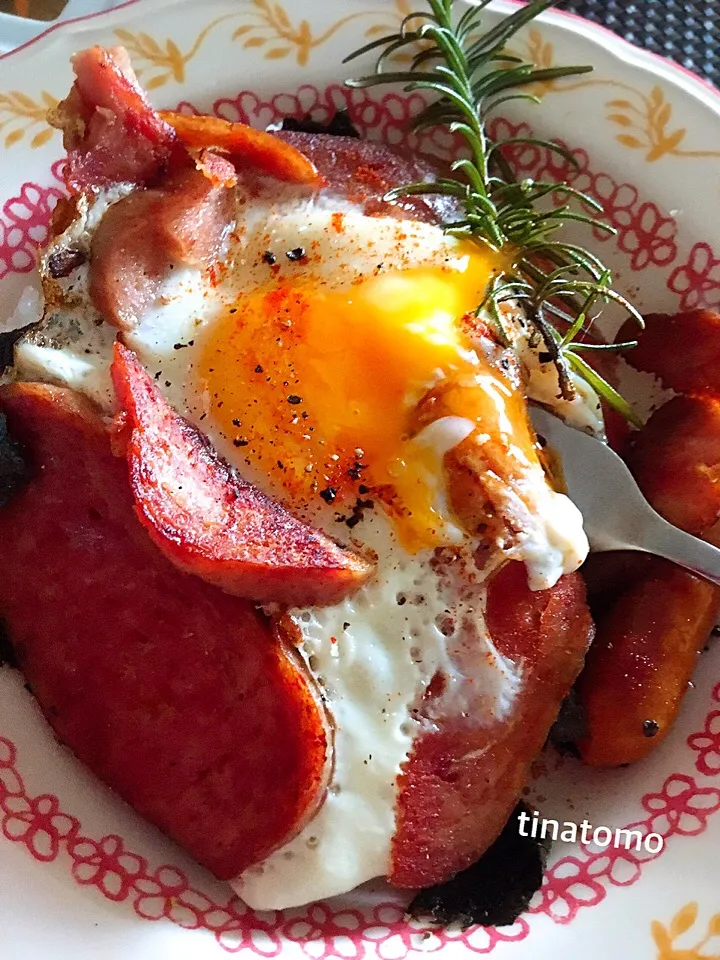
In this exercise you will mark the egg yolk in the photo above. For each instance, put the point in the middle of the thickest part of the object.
(317, 387)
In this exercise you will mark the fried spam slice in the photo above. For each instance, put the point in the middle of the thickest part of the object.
(468, 767)
(210, 522)
(142, 237)
(363, 171)
(639, 667)
(682, 349)
(111, 132)
(245, 146)
(676, 462)
(180, 697)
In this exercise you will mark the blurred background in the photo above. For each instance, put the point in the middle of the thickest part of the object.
(687, 31)
(39, 9)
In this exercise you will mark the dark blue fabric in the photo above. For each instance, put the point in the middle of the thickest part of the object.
(684, 30)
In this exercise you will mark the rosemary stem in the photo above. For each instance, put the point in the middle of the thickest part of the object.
(471, 72)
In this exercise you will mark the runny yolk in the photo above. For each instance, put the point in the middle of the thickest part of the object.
(317, 388)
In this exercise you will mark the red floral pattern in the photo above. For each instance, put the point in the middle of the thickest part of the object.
(647, 237)
(646, 234)
(707, 742)
(38, 823)
(24, 225)
(321, 930)
(681, 808)
(698, 279)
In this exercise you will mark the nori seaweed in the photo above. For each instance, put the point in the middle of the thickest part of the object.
(570, 726)
(339, 126)
(8, 657)
(7, 346)
(495, 890)
(15, 472)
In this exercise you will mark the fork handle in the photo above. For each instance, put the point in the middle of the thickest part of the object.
(664, 540)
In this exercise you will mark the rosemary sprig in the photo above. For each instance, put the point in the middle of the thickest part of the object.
(559, 283)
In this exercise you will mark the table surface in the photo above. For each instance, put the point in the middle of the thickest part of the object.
(684, 30)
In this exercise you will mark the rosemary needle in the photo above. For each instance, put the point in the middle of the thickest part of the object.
(471, 74)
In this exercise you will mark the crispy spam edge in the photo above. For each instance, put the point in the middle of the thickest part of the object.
(253, 547)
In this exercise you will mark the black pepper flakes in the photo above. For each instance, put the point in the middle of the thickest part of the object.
(356, 470)
(651, 728)
(294, 399)
(296, 254)
(357, 514)
(328, 494)
(240, 442)
(269, 258)
(258, 369)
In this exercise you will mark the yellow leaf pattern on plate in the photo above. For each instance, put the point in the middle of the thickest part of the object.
(683, 921)
(163, 62)
(19, 113)
(272, 23)
(541, 54)
(645, 121)
(157, 63)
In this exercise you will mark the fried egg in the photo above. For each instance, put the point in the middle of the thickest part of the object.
(303, 357)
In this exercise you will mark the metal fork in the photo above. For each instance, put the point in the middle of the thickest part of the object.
(615, 513)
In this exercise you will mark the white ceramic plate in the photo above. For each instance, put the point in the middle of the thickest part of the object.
(15, 30)
(80, 875)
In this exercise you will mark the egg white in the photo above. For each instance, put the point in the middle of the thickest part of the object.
(374, 656)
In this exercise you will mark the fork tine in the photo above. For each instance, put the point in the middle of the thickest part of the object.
(615, 513)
